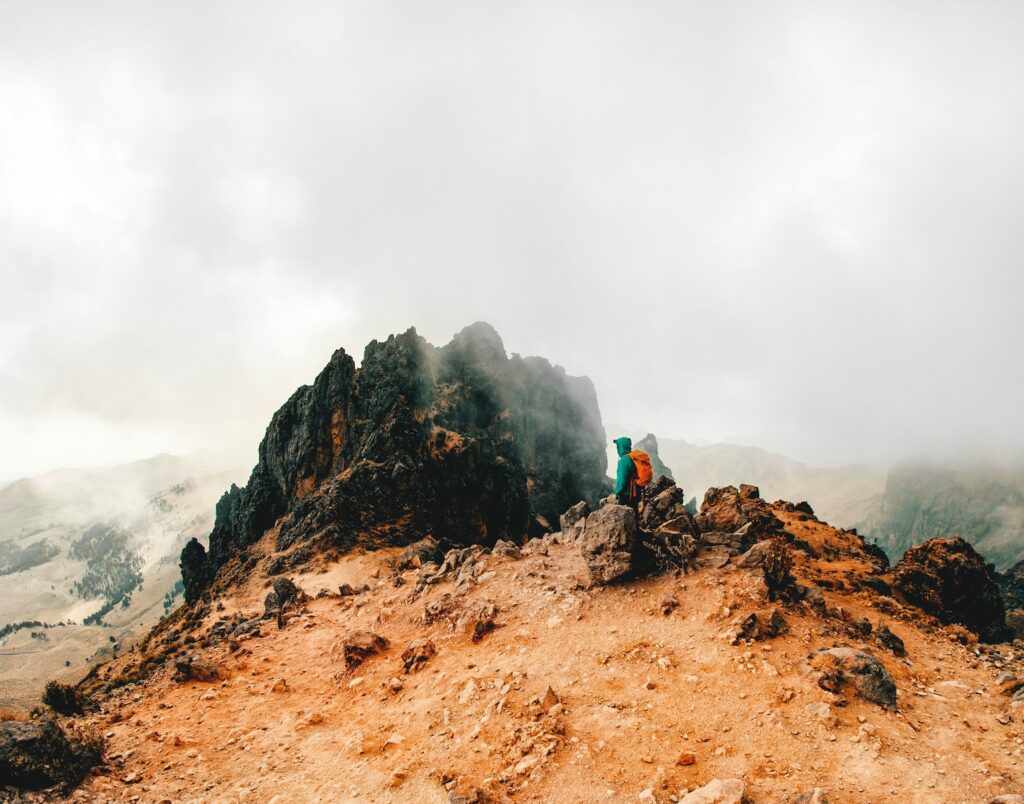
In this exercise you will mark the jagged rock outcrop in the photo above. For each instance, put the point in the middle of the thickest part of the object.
(195, 570)
(649, 444)
(950, 580)
(461, 443)
(40, 754)
(664, 502)
(728, 509)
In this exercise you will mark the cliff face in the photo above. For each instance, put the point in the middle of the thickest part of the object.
(984, 504)
(461, 443)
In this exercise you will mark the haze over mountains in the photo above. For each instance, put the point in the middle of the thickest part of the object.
(137, 516)
(386, 611)
(89, 558)
(898, 506)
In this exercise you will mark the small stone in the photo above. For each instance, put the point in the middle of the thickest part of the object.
(686, 758)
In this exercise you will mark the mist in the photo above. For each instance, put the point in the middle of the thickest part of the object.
(794, 227)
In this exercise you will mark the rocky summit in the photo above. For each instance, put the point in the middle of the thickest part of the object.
(424, 593)
(749, 653)
(460, 443)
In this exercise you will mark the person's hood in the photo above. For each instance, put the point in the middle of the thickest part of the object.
(623, 445)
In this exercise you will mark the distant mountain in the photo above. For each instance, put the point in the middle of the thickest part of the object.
(981, 502)
(842, 495)
(92, 556)
(900, 507)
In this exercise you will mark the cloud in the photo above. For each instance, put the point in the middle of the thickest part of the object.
(797, 224)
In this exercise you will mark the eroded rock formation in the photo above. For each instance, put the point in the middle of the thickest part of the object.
(948, 579)
(461, 443)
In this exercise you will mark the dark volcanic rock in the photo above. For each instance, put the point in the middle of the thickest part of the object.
(949, 580)
(40, 754)
(673, 544)
(285, 593)
(461, 443)
(662, 506)
(195, 668)
(419, 553)
(891, 641)
(195, 570)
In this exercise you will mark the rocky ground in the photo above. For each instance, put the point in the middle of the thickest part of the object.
(512, 675)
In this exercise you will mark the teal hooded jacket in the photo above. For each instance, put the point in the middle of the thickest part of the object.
(626, 471)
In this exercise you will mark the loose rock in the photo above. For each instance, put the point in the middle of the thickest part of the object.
(360, 646)
(417, 654)
(845, 666)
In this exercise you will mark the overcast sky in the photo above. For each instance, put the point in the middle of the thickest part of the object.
(798, 225)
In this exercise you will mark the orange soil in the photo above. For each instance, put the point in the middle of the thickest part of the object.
(635, 688)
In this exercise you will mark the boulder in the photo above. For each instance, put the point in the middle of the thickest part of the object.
(285, 594)
(844, 667)
(195, 570)
(360, 646)
(766, 625)
(728, 509)
(664, 506)
(506, 550)
(419, 553)
(196, 668)
(418, 653)
(572, 521)
(948, 579)
(39, 754)
(608, 543)
(754, 557)
(717, 791)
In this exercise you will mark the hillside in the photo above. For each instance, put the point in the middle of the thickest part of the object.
(579, 691)
(88, 559)
(423, 594)
(981, 502)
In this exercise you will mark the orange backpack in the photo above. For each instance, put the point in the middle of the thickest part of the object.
(644, 471)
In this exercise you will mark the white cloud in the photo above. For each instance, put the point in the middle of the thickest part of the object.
(799, 222)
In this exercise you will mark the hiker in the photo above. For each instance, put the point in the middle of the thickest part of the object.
(633, 473)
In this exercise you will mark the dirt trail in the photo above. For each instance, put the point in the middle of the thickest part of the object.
(578, 695)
